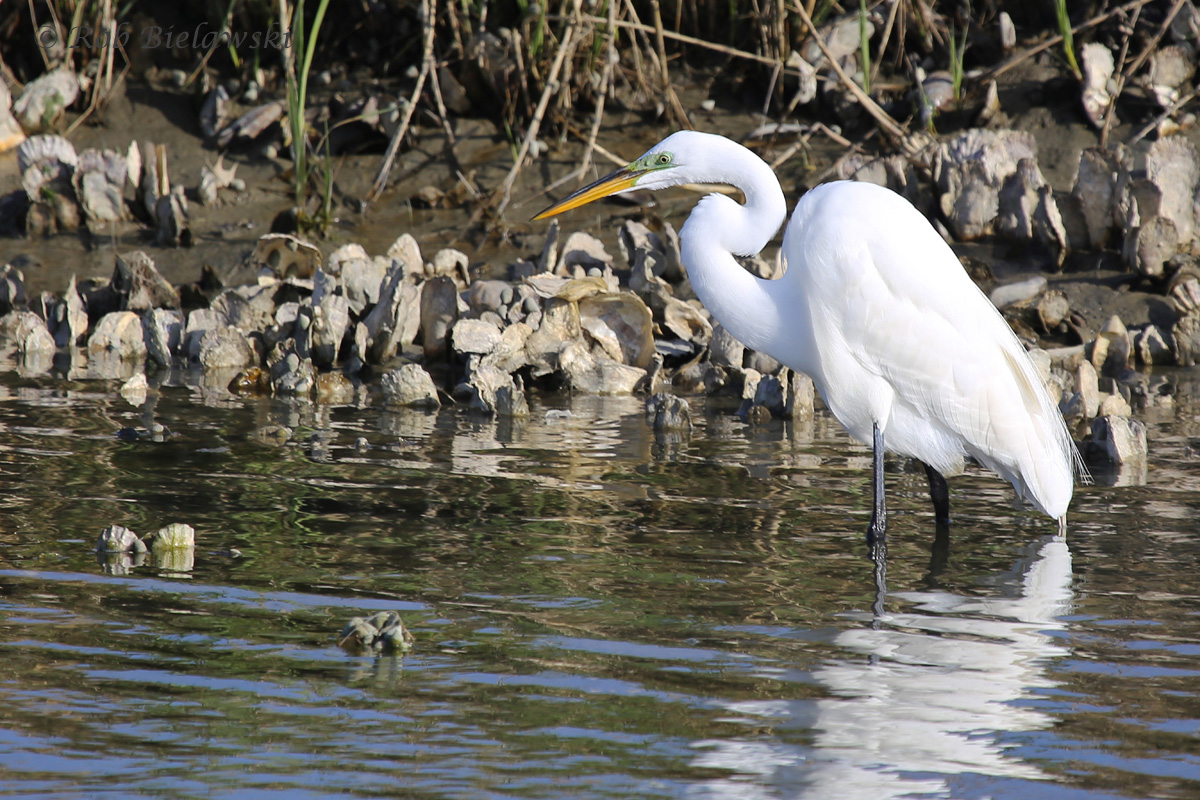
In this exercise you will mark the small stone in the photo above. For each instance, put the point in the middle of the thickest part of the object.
(334, 388)
(252, 381)
(493, 391)
(46, 98)
(1118, 440)
(584, 250)
(28, 332)
(406, 251)
(724, 350)
(597, 375)
(770, 394)
(1098, 67)
(1018, 292)
(474, 336)
(119, 334)
(439, 310)
(1186, 335)
(452, 264)
(1114, 405)
(162, 329)
(489, 295)
(1151, 348)
(226, 347)
(410, 385)
(1087, 385)
(668, 412)
(1119, 349)
(395, 319)
(135, 389)
(293, 376)
(1052, 309)
(802, 397)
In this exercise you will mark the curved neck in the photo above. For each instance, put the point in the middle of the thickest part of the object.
(746, 305)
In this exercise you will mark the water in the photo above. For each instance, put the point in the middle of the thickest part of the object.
(599, 612)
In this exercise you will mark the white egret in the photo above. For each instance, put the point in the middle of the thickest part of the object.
(874, 306)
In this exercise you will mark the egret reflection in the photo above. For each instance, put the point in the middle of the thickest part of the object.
(920, 699)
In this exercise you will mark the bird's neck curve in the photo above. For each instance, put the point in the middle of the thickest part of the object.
(750, 308)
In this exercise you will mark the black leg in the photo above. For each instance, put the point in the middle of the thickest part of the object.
(939, 493)
(879, 562)
(939, 554)
(877, 530)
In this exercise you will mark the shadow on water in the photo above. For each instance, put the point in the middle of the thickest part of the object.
(598, 611)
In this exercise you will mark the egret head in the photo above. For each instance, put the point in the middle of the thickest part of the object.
(661, 166)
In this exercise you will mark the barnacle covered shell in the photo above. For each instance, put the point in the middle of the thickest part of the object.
(43, 160)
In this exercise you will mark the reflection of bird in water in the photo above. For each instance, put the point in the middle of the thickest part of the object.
(925, 704)
(876, 309)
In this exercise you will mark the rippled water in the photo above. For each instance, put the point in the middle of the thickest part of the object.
(599, 612)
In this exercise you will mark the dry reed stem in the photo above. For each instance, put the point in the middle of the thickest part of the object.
(645, 86)
(1154, 123)
(674, 107)
(1111, 113)
(881, 117)
(1025, 55)
(442, 117)
(225, 23)
(102, 86)
(1153, 43)
(535, 122)
(428, 7)
(57, 29)
(1127, 73)
(615, 159)
(887, 36)
(685, 39)
(610, 56)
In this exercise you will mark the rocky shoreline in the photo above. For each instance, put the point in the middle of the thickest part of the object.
(410, 329)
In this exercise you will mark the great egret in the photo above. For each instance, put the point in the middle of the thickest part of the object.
(874, 306)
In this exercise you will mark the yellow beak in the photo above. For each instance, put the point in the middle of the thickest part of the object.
(618, 181)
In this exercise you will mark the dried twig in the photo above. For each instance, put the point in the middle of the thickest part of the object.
(535, 122)
(1127, 73)
(221, 34)
(887, 35)
(442, 116)
(882, 118)
(1154, 123)
(428, 9)
(674, 107)
(1153, 43)
(607, 154)
(610, 57)
(685, 39)
(1025, 55)
(1111, 113)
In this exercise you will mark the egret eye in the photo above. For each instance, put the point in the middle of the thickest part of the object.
(664, 159)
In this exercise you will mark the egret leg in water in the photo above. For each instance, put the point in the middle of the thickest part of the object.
(869, 286)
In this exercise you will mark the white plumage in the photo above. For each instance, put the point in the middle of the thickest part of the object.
(875, 307)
